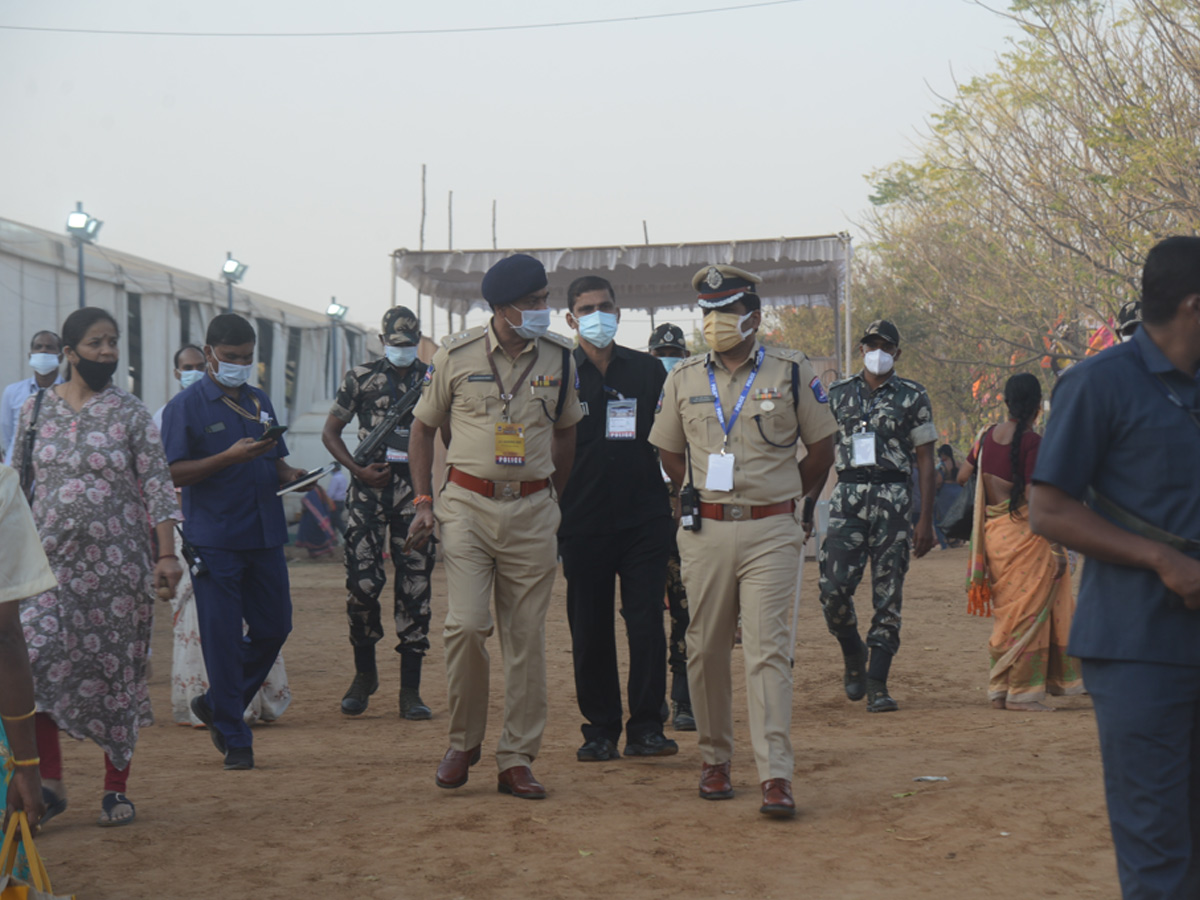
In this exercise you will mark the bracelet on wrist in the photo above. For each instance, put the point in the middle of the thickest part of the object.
(27, 762)
(28, 715)
(422, 498)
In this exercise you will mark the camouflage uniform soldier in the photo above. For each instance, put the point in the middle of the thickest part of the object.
(379, 502)
(668, 344)
(884, 423)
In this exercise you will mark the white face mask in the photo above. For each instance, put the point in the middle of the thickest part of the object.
(403, 357)
(189, 377)
(878, 362)
(43, 363)
(232, 375)
(534, 323)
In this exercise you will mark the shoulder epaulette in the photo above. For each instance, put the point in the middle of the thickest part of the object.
(462, 338)
(561, 340)
(913, 384)
(698, 359)
(842, 381)
(786, 353)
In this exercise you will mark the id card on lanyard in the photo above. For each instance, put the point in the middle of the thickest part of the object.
(862, 441)
(621, 420)
(719, 476)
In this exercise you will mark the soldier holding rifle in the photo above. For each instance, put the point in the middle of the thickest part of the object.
(381, 501)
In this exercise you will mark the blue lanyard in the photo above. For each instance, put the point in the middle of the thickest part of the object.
(741, 401)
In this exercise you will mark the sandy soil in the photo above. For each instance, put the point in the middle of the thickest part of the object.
(344, 807)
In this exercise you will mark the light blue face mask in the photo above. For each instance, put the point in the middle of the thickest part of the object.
(402, 357)
(534, 323)
(670, 362)
(190, 376)
(598, 328)
(232, 375)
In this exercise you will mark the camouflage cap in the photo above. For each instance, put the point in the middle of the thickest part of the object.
(884, 329)
(400, 321)
(667, 335)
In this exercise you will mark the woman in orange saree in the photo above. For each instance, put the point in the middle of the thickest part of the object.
(1016, 576)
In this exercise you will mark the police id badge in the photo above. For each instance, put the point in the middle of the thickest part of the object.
(621, 422)
(510, 444)
(863, 448)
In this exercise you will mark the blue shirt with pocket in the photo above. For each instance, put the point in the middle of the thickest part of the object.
(1114, 427)
(235, 508)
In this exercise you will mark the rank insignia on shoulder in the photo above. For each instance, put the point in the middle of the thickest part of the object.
(768, 394)
(818, 390)
(481, 377)
(544, 381)
(429, 374)
(703, 398)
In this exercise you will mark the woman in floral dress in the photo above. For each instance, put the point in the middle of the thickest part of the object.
(101, 483)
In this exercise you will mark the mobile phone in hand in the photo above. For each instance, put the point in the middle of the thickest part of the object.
(273, 433)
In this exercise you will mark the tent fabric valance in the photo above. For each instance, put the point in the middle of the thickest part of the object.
(797, 271)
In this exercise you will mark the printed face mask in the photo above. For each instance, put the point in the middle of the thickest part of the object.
(534, 323)
(878, 362)
(190, 377)
(723, 330)
(43, 363)
(598, 328)
(400, 356)
(232, 375)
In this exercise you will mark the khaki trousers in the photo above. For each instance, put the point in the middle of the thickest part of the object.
(507, 546)
(748, 567)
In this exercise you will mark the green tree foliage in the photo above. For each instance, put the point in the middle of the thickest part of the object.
(1020, 227)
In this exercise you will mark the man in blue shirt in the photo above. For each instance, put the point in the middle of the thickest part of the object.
(45, 358)
(1124, 435)
(213, 433)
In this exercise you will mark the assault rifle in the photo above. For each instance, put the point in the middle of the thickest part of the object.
(399, 412)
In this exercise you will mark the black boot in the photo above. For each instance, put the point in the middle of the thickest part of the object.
(878, 699)
(361, 688)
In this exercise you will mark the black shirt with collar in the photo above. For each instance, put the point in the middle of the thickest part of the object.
(615, 485)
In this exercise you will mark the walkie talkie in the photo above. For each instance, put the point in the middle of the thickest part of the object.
(689, 500)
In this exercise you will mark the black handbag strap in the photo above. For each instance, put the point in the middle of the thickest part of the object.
(30, 439)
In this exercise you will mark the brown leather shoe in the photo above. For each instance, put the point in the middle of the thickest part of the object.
(777, 799)
(452, 771)
(714, 782)
(519, 782)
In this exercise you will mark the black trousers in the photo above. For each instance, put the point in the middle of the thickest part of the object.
(592, 563)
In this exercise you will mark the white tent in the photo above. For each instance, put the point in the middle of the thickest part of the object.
(796, 271)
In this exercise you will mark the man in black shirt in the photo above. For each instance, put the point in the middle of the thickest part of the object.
(616, 521)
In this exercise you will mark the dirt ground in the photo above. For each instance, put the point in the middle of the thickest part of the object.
(343, 807)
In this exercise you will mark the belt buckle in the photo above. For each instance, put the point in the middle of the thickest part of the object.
(735, 512)
(509, 489)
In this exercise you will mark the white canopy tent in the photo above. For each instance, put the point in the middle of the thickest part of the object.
(797, 271)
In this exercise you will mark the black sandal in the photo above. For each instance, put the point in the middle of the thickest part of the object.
(113, 799)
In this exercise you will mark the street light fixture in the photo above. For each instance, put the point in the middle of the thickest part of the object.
(336, 310)
(83, 230)
(232, 272)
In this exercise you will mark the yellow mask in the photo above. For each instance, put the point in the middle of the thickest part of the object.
(723, 330)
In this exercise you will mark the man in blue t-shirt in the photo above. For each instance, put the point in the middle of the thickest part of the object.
(1124, 436)
(214, 437)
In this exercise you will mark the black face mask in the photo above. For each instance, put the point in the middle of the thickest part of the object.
(96, 375)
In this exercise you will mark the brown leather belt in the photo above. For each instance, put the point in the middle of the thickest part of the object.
(731, 512)
(505, 490)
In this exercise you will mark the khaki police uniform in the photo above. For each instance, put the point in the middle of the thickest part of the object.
(504, 542)
(742, 563)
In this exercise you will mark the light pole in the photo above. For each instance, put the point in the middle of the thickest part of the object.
(336, 312)
(83, 230)
(232, 272)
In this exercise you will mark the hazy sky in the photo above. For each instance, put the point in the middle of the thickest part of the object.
(303, 155)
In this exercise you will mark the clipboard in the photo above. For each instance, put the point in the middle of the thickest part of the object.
(306, 481)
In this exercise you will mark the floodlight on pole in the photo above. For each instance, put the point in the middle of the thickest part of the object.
(83, 230)
(232, 272)
(336, 312)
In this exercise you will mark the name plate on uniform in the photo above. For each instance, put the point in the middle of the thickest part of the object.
(510, 444)
(622, 420)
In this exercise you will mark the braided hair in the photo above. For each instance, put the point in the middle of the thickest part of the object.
(1023, 397)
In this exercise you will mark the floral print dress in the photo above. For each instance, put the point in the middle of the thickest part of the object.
(101, 483)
